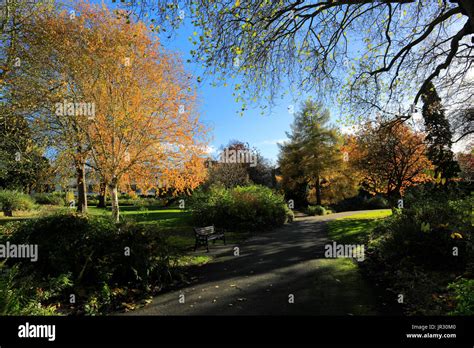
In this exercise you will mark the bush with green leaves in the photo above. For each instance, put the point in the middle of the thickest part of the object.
(316, 210)
(11, 201)
(420, 248)
(361, 202)
(19, 296)
(244, 208)
(55, 198)
(94, 253)
(464, 296)
(149, 202)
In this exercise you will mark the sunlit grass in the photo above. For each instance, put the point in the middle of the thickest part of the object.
(354, 229)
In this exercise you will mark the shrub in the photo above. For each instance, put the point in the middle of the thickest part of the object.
(94, 253)
(315, 210)
(350, 204)
(248, 208)
(49, 198)
(14, 200)
(427, 232)
(149, 202)
(70, 197)
(360, 202)
(464, 296)
(18, 296)
(411, 252)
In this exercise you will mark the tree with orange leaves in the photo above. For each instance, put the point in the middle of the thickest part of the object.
(390, 158)
(143, 127)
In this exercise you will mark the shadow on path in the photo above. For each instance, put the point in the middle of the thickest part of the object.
(271, 267)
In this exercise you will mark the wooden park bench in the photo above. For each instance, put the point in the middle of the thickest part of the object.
(205, 234)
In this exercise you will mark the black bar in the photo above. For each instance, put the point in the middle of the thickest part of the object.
(133, 331)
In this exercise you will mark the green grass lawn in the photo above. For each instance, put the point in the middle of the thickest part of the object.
(354, 229)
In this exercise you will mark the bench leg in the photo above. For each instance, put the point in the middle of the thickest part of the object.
(223, 238)
(207, 244)
(195, 245)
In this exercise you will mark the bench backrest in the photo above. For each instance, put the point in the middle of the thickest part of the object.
(204, 230)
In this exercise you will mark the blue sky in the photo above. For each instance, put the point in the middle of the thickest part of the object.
(220, 111)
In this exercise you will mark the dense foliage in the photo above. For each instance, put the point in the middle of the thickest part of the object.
(250, 208)
(316, 210)
(95, 259)
(11, 201)
(312, 155)
(420, 249)
(55, 198)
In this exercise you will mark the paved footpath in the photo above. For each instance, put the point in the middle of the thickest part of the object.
(271, 267)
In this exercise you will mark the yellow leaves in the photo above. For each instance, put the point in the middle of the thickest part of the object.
(237, 3)
(456, 235)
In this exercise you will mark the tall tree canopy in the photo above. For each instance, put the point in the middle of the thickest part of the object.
(438, 134)
(384, 53)
(313, 150)
(143, 126)
(390, 159)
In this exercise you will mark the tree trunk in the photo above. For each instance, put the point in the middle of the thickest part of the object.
(318, 191)
(113, 187)
(8, 213)
(102, 195)
(81, 188)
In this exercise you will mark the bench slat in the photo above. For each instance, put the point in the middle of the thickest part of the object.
(205, 234)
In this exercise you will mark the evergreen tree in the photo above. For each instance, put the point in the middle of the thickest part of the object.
(439, 135)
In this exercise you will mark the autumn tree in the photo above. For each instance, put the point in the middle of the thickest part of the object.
(227, 174)
(49, 85)
(239, 164)
(109, 96)
(390, 159)
(13, 15)
(313, 150)
(438, 134)
(466, 164)
(145, 128)
(22, 165)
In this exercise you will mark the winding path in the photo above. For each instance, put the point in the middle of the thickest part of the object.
(271, 267)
